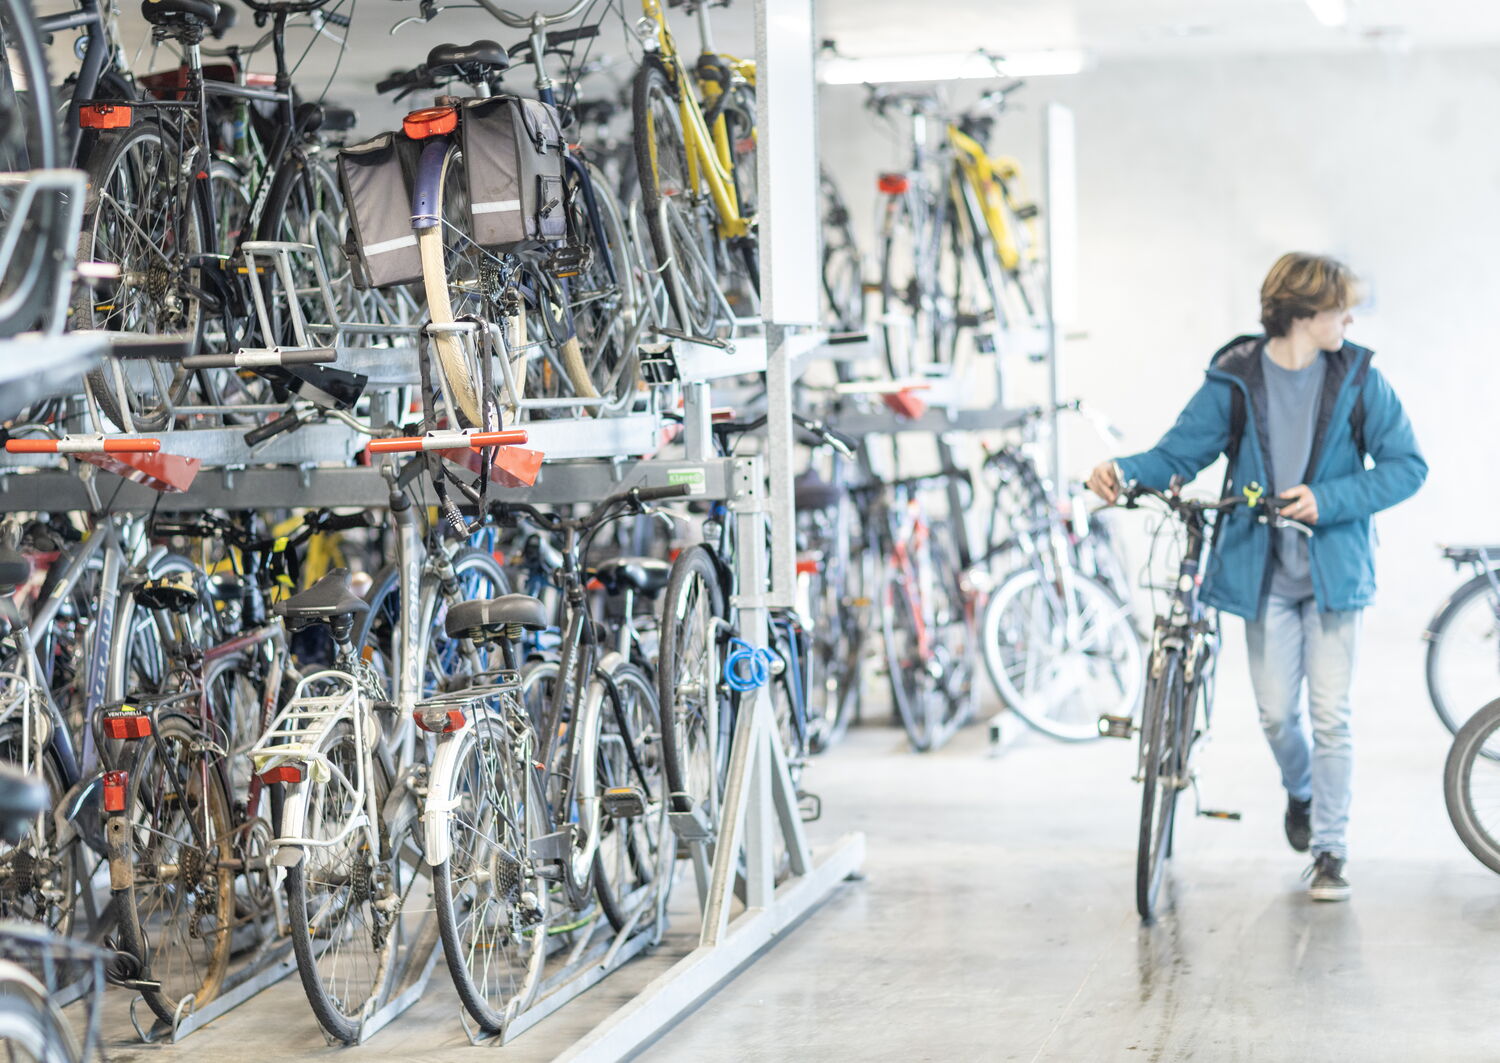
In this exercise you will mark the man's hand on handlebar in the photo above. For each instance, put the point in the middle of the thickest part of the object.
(1106, 481)
(1299, 504)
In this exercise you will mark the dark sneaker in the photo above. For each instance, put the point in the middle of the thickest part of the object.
(1299, 823)
(1328, 882)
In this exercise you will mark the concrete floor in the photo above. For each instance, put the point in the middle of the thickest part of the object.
(996, 920)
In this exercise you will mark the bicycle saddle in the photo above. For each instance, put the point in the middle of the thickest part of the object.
(23, 797)
(813, 492)
(197, 14)
(646, 575)
(455, 60)
(330, 597)
(14, 569)
(485, 619)
(224, 21)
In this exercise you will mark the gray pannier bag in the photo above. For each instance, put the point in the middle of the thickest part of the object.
(513, 152)
(377, 179)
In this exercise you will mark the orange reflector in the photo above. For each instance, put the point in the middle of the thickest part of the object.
(430, 122)
(807, 566)
(893, 184)
(103, 116)
(287, 773)
(439, 721)
(114, 790)
(127, 724)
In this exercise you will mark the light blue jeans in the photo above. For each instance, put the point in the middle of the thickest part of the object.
(1292, 642)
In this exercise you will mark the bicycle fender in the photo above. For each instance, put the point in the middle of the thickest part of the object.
(1460, 594)
(78, 814)
(437, 812)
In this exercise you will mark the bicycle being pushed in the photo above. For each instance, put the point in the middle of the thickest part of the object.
(1178, 709)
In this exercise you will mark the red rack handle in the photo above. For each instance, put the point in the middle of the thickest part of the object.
(449, 441)
(82, 445)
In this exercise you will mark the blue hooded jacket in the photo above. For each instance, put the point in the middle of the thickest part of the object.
(1342, 548)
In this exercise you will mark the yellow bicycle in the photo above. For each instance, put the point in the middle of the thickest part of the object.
(695, 153)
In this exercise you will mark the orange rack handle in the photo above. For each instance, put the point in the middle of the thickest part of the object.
(448, 441)
(82, 445)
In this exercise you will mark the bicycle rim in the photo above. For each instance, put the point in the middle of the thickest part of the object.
(1471, 785)
(1159, 790)
(1463, 651)
(694, 746)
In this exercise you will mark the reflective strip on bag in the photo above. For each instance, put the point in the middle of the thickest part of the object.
(499, 206)
(388, 245)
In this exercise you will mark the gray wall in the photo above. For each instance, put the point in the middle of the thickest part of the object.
(1195, 174)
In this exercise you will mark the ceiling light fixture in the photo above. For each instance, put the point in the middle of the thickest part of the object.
(883, 69)
(1334, 13)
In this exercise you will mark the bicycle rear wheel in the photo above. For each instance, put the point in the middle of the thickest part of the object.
(1162, 759)
(177, 917)
(1463, 650)
(345, 898)
(1471, 785)
(491, 902)
(28, 119)
(916, 316)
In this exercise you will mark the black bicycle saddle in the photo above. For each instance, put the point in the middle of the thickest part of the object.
(331, 596)
(483, 619)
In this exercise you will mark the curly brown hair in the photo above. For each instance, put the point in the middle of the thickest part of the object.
(1301, 285)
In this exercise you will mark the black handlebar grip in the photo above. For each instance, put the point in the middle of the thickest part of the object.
(333, 522)
(577, 33)
(309, 356)
(285, 423)
(401, 79)
(337, 19)
(657, 494)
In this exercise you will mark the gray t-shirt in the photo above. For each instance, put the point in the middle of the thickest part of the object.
(1291, 419)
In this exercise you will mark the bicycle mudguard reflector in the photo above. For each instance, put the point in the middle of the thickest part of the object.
(376, 178)
(513, 154)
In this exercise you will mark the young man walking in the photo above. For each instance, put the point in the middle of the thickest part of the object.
(1296, 411)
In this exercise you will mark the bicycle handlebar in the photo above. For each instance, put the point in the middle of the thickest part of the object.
(1198, 509)
(418, 77)
(602, 513)
(524, 22)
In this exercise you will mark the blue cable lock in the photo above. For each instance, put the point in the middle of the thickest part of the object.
(747, 668)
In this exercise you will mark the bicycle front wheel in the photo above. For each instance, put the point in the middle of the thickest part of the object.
(1161, 761)
(695, 720)
(1060, 664)
(1463, 650)
(491, 901)
(1471, 785)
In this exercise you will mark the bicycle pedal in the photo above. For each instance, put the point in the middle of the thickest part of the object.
(1116, 726)
(809, 806)
(624, 802)
(568, 261)
(1214, 813)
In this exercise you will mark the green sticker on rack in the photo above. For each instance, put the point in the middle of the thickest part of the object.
(696, 479)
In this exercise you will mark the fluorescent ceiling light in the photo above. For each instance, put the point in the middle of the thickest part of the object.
(883, 69)
(1330, 12)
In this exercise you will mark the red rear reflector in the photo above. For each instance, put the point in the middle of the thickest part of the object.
(807, 566)
(439, 721)
(114, 790)
(430, 122)
(287, 773)
(126, 724)
(893, 184)
(103, 116)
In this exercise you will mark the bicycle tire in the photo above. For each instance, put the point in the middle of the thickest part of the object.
(630, 867)
(606, 310)
(1158, 799)
(32, 1025)
(352, 892)
(144, 200)
(157, 915)
(1025, 622)
(916, 698)
(1470, 596)
(1466, 754)
(910, 287)
(843, 266)
(451, 272)
(28, 119)
(677, 216)
(695, 745)
(490, 994)
(27, 868)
